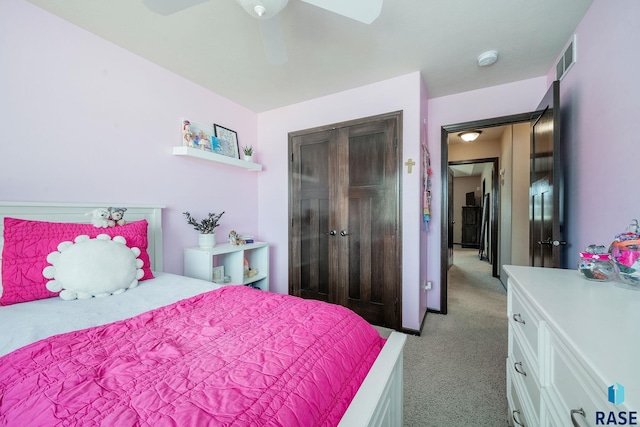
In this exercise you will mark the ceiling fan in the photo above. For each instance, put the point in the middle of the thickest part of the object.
(266, 11)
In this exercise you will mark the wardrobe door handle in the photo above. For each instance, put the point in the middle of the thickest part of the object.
(330, 233)
(518, 318)
(518, 367)
(574, 420)
(344, 233)
(516, 420)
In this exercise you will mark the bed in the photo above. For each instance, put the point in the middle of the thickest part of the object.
(178, 351)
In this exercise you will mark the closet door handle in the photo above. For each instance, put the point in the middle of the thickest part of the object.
(518, 318)
(330, 233)
(518, 367)
(515, 420)
(344, 233)
(580, 411)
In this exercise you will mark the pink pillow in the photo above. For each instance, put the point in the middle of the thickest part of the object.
(27, 244)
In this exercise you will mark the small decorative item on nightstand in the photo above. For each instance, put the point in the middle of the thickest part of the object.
(206, 227)
(235, 240)
(218, 274)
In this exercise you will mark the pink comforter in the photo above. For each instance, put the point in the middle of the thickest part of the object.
(235, 356)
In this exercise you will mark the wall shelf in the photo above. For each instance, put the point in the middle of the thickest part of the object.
(207, 155)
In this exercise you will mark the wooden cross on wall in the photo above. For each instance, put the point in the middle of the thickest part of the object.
(409, 164)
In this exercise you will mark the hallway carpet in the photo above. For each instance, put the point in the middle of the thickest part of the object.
(454, 373)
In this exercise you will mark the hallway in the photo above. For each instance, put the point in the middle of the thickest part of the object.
(455, 372)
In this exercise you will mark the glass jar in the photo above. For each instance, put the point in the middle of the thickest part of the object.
(626, 259)
(596, 267)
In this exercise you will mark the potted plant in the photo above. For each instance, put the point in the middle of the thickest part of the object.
(248, 153)
(206, 227)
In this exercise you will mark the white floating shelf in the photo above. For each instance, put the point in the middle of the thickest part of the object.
(207, 155)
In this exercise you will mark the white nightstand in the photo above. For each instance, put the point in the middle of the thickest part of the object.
(200, 263)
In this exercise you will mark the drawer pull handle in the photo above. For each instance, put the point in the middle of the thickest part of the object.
(516, 420)
(579, 412)
(518, 367)
(518, 318)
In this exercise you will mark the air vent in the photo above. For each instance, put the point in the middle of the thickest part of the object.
(567, 59)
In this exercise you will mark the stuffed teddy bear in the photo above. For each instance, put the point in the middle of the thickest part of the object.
(99, 217)
(116, 216)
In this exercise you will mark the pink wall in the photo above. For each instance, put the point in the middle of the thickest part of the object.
(600, 111)
(599, 101)
(401, 93)
(497, 101)
(86, 121)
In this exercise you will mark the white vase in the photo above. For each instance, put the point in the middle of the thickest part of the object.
(248, 158)
(207, 241)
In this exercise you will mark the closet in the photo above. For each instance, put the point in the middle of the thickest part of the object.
(345, 239)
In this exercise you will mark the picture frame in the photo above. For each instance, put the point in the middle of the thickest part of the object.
(227, 140)
(217, 274)
(197, 135)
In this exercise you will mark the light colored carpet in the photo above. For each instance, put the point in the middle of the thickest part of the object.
(454, 374)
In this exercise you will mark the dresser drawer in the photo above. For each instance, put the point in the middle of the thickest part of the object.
(519, 415)
(571, 388)
(525, 372)
(525, 320)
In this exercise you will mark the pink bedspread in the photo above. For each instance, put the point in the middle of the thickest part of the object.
(235, 356)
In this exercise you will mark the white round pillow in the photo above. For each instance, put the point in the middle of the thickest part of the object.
(93, 267)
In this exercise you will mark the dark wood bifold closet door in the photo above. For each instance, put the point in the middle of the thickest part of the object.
(309, 215)
(345, 239)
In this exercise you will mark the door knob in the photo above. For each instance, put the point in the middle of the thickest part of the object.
(550, 242)
(330, 233)
(344, 233)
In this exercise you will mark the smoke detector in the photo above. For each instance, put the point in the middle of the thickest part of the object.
(487, 58)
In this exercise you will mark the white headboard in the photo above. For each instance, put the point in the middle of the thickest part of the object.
(76, 212)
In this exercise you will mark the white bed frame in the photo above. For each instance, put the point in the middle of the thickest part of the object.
(378, 401)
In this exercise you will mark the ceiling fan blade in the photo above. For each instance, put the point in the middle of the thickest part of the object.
(168, 7)
(273, 40)
(365, 11)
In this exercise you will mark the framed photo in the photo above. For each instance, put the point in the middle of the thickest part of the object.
(197, 135)
(217, 274)
(227, 140)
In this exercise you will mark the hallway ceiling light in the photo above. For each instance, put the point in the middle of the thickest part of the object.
(469, 136)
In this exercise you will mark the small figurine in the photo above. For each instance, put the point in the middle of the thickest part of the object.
(235, 239)
(187, 135)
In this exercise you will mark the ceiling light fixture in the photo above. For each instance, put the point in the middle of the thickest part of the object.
(487, 58)
(263, 9)
(469, 136)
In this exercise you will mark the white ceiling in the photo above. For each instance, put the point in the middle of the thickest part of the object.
(469, 169)
(218, 45)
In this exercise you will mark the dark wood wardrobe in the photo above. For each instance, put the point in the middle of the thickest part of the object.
(345, 241)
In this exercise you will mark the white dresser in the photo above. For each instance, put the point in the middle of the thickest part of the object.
(570, 339)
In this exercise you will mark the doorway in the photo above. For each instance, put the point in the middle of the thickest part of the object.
(446, 244)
